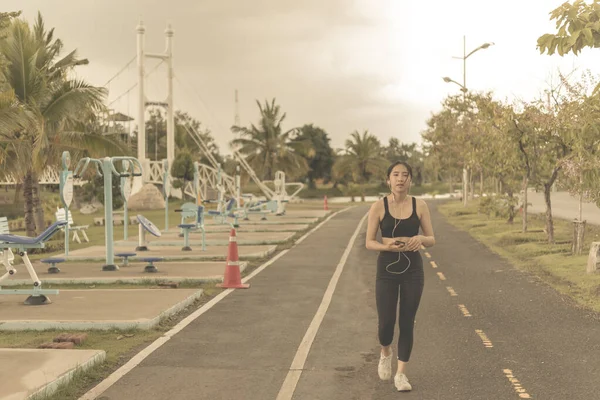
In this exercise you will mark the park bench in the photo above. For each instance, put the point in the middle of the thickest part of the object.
(5, 231)
(60, 216)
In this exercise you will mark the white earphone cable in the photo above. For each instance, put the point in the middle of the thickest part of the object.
(400, 253)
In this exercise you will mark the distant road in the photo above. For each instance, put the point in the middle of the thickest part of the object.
(563, 206)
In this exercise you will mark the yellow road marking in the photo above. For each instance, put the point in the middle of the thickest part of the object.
(516, 384)
(486, 341)
(451, 291)
(433, 264)
(464, 310)
(427, 255)
(442, 277)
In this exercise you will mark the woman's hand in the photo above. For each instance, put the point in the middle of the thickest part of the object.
(392, 246)
(413, 244)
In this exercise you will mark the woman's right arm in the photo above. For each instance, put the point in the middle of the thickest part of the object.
(372, 227)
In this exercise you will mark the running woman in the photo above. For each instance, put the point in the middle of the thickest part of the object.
(399, 266)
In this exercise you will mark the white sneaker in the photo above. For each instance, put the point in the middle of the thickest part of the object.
(401, 383)
(385, 367)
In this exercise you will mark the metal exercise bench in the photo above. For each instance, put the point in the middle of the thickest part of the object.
(190, 210)
(21, 244)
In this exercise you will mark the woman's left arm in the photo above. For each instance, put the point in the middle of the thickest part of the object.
(427, 239)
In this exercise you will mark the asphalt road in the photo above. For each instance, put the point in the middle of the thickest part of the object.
(486, 331)
(563, 206)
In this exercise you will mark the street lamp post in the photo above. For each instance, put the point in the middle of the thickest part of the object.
(464, 90)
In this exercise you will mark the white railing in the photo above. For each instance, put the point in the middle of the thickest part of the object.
(155, 173)
(208, 179)
(51, 176)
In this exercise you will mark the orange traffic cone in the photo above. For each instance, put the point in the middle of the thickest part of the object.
(232, 278)
(325, 204)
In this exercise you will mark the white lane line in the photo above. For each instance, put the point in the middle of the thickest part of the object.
(138, 358)
(291, 380)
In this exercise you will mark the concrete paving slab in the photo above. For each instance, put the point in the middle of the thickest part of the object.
(98, 253)
(213, 239)
(95, 309)
(91, 273)
(287, 227)
(26, 372)
(274, 220)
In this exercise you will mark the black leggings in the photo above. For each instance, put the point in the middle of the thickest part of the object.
(410, 285)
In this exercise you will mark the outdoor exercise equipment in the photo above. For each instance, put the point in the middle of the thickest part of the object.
(53, 269)
(166, 192)
(125, 186)
(151, 268)
(196, 213)
(66, 192)
(37, 295)
(106, 168)
(145, 226)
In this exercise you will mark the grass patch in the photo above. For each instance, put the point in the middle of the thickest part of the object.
(553, 264)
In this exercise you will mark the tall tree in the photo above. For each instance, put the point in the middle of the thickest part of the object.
(442, 142)
(318, 153)
(361, 159)
(54, 105)
(579, 117)
(501, 156)
(11, 115)
(268, 147)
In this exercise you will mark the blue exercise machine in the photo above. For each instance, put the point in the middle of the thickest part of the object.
(106, 167)
(37, 295)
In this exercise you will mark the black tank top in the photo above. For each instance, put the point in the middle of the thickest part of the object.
(406, 227)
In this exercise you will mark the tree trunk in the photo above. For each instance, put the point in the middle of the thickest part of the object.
(451, 183)
(581, 196)
(28, 205)
(38, 209)
(547, 189)
(511, 208)
(471, 186)
(524, 210)
(578, 237)
(481, 182)
(549, 222)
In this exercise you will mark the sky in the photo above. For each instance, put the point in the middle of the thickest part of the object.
(342, 65)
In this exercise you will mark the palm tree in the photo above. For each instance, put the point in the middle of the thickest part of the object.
(267, 148)
(361, 159)
(11, 115)
(55, 108)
